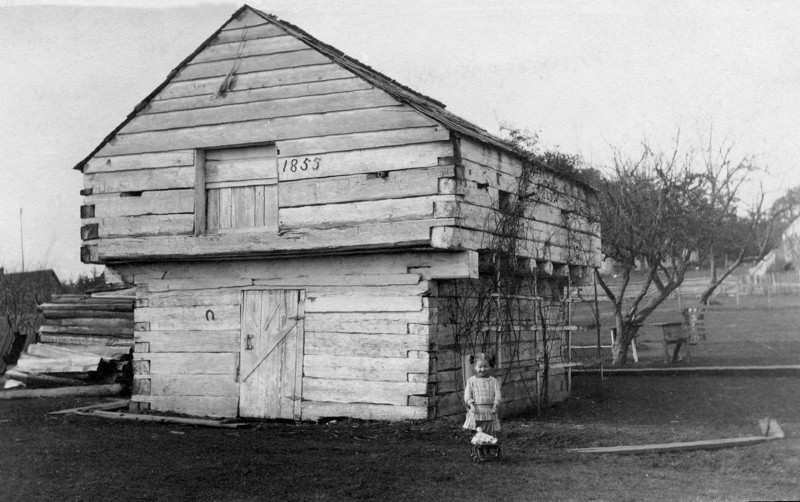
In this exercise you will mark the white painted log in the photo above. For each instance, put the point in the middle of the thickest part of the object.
(190, 341)
(254, 47)
(256, 80)
(295, 59)
(368, 236)
(200, 297)
(193, 385)
(463, 238)
(202, 318)
(277, 129)
(363, 304)
(167, 178)
(359, 391)
(333, 280)
(133, 226)
(359, 213)
(255, 110)
(362, 140)
(379, 264)
(365, 160)
(143, 161)
(458, 265)
(157, 202)
(406, 183)
(247, 95)
(316, 320)
(196, 363)
(419, 289)
(363, 344)
(199, 406)
(363, 368)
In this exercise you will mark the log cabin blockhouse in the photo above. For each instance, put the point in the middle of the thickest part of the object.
(289, 216)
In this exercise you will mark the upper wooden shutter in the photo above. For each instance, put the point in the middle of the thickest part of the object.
(241, 189)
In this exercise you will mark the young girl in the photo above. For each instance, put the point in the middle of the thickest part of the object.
(482, 395)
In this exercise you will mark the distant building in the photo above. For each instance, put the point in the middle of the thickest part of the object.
(46, 279)
(791, 244)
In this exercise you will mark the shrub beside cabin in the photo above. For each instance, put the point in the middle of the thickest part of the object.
(297, 225)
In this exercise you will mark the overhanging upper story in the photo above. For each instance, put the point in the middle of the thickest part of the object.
(267, 142)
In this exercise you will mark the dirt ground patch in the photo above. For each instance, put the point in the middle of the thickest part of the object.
(84, 458)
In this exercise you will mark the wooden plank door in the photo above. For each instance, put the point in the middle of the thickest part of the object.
(271, 360)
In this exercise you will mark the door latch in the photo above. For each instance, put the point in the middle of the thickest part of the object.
(249, 342)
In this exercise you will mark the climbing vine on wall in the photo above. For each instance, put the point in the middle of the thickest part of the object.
(513, 311)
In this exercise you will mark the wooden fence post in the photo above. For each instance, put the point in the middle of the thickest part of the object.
(738, 286)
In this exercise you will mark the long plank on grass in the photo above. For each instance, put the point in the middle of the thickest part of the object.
(687, 446)
(163, 419)
(111, 405)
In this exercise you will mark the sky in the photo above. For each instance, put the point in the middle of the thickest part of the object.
(586, 75)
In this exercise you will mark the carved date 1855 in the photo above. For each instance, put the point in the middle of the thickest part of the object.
(294, 165)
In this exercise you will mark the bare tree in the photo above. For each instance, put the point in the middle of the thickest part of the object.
(740, 231)
(654, 211)
(21, 293)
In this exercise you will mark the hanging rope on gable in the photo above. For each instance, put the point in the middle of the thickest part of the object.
(228, 81)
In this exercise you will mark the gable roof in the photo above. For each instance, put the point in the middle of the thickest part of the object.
(423, 104)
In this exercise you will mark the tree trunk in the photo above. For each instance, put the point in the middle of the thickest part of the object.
(619, 349)
(715, 281)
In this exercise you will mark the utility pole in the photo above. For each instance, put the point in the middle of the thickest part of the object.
(21, 240)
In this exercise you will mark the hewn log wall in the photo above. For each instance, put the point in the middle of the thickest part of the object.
(556, 227)
(373, 161)
(520, 356)
(368, 321)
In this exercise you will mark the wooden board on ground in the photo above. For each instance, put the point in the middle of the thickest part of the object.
(111, 405)
(772, 431)
(163, 419)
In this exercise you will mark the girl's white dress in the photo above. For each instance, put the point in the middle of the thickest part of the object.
(484, 393)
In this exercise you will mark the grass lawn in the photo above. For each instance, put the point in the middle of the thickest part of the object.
(757, 331)
(44, 458)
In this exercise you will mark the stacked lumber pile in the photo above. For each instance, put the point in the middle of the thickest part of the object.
(83, 339)
(100, 319)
